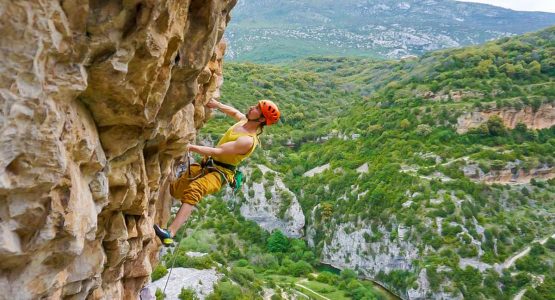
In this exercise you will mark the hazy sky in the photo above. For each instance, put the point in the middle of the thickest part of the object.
(529, 5)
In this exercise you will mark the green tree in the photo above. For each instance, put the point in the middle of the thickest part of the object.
(520, 127)
(536, 104)
(404, 124)
(509, 69)
(537, 249)
(423, 129)
(546, 290)
(327, 277)
(348, 274)
(277, 242)
(496, 126)
(550, 244)
(301, 268)
(483, 67)
(535, 68)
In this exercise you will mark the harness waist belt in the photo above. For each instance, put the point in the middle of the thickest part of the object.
(227, 166)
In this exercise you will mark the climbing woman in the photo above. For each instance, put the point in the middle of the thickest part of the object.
(220, 163)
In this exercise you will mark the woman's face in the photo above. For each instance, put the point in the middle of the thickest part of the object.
(254, 112)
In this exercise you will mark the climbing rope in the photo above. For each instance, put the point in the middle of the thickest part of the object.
(180, 170)
(173, 255)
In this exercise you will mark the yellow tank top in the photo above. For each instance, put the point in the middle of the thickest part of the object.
(230, 136)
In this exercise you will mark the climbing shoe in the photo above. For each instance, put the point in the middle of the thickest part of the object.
(164, 235)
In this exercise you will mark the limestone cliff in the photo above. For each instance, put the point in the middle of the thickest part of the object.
(511, 173)
(98, 98)
(270, 203)
(544, 117)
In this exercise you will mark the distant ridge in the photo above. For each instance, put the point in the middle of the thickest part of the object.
(275, 31)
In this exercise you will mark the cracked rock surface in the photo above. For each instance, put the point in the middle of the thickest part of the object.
(98, 98)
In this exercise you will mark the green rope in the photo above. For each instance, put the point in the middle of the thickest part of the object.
(173, 262)
(182, 232)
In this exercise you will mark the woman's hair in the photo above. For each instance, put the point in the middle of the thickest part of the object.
(260, 129)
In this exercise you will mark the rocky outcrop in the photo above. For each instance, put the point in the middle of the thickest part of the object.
(271, 204)
(455, 95)
(317, 170)
(353, 248)
(371, 250)
(512, 173)
(543, 117)
(98, 99)
(200, 281)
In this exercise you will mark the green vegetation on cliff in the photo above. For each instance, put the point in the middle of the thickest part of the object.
(251, 258)
(418, 188)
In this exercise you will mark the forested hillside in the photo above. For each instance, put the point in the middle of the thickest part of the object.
(281, 30)
(436, 171)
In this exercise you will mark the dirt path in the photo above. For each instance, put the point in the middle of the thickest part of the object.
(309, 289)
(511, 260)
(519, 295)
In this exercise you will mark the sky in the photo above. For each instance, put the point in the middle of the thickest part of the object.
(527, 5)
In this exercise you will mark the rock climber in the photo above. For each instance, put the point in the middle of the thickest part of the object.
(220, 162)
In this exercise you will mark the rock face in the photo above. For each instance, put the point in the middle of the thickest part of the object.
(272, 205)
(200, 281)
(544, 117)
(98, 99)
(353, 248)
(367, 256)
(510, 174)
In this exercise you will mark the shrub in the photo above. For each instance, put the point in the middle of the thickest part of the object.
(423, 129)
(537, 249)
(265, 261)
(301, 268)
(550, 244)
(285, 203)
(184, 261)
(404, 124)
(276, 297)
(159, 294)
(327, 277)
(159, 272)
(187, 294)
(256, 175)
(225, 291)
(496, 126)
(243, 276)
(544, 291)
(348, 274)
(531, 264)
(242, 263)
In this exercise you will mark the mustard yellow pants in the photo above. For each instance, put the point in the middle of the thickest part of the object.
(192, 191)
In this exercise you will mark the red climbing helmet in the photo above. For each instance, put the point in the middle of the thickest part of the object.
(270, 111)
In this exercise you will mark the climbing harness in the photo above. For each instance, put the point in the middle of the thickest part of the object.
(235, 185)
(209, 165)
